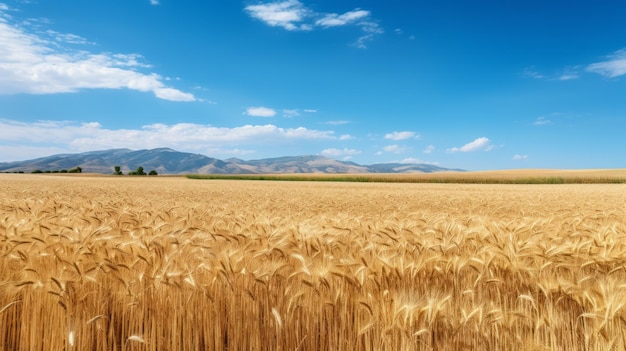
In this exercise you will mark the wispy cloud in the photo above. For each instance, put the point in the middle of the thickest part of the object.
(340, 152)
(292, 15)
(568, 76)
(413, 160)
(568, 73)
(260, 112)
(296, 112)
(286, 14)
(291, 113)
(337, 123)
(613, 66)
(480, 144)
(542, 121)
(520, 158)
(32, 63)
(530, 72)
(334, 19)
(68, 38)
(429, 149)
(371, 30)
(154, 2)
(395, 148)
(401, 135)
(45, 137)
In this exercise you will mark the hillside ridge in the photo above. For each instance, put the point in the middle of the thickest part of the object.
(169, 161)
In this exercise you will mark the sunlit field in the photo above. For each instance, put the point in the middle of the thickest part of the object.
(170, 263)
(521, 176)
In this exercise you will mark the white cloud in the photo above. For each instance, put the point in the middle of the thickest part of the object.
(292, 15)
(429, 149)
(371, 29)
(531, 73)
(223, 152)
(396, 149)
(361, 42)
(260, 112)
(346, 137)
(520, 157)
(568, 76)
(154, 2)
(614, 66)
(68, 38)
(569, 73)
(304, 133)
(476, 145)
(340, 152)
(412, 160)
(401, 135)
(173, 94)
(287, 14)
(542, 121)
(333, 19)
(28, 152)
(32, 64)
(46, 137)
(49, 133)
(291, 113)
(337, 123)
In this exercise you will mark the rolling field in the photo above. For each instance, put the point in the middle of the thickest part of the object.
(169, 263)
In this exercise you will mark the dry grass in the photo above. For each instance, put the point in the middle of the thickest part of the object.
(176, 264)
(519, 176)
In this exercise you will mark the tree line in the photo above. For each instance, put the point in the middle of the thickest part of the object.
(71, 170)
(139, 171)
(117, 170)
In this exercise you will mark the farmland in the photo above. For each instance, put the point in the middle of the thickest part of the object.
(169, 263)
(523, 176)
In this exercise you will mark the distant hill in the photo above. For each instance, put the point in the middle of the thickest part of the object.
(168, 161)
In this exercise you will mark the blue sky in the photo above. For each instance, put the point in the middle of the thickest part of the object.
(461, 84)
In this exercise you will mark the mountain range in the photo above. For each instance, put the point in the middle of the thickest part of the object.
(168, 161)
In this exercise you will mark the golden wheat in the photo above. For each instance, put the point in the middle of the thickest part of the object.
(96, 263)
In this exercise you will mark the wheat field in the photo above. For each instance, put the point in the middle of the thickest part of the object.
(106, 263)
